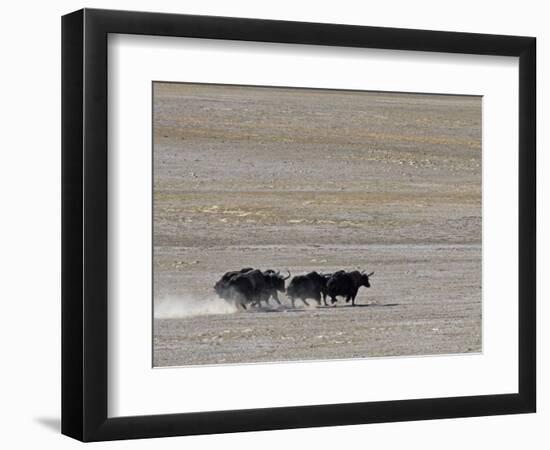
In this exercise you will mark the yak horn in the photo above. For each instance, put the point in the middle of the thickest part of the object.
(370, 274)
(288, 275)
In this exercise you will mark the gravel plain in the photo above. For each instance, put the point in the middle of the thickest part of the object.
(304, 179)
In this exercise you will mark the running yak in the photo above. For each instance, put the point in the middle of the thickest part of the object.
(312, 285)
(250, 286)
(346, 284)
(222, 285)
(275, 283)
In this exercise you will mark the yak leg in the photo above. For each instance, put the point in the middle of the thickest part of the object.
(276, 298)
(318, 300)
(353, 297)
(305, 301)
(325, 299)
(333, 299)
(292, 300)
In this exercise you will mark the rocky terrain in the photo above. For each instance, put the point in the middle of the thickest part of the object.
(304, 179)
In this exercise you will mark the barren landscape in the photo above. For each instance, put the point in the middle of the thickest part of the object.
(304, 179)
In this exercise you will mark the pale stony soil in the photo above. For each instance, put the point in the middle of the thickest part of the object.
(304, 180)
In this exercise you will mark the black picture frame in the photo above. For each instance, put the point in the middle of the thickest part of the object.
(84, 224)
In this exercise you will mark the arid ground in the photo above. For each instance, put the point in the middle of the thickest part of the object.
(304, 180)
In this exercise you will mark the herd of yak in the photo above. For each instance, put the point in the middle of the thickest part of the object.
(251, 287)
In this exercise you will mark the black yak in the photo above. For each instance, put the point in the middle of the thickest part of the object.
(274, 283)
(250, 286)
(312, 285)
(222, 284)
(243, 288)
(346, 284)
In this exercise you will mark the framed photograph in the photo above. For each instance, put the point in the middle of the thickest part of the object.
(273, 224)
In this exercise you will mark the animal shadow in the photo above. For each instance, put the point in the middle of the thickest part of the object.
(366, 305)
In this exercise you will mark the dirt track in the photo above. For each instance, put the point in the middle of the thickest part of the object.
(302, 179)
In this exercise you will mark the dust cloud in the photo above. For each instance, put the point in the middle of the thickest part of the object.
(178, 307)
